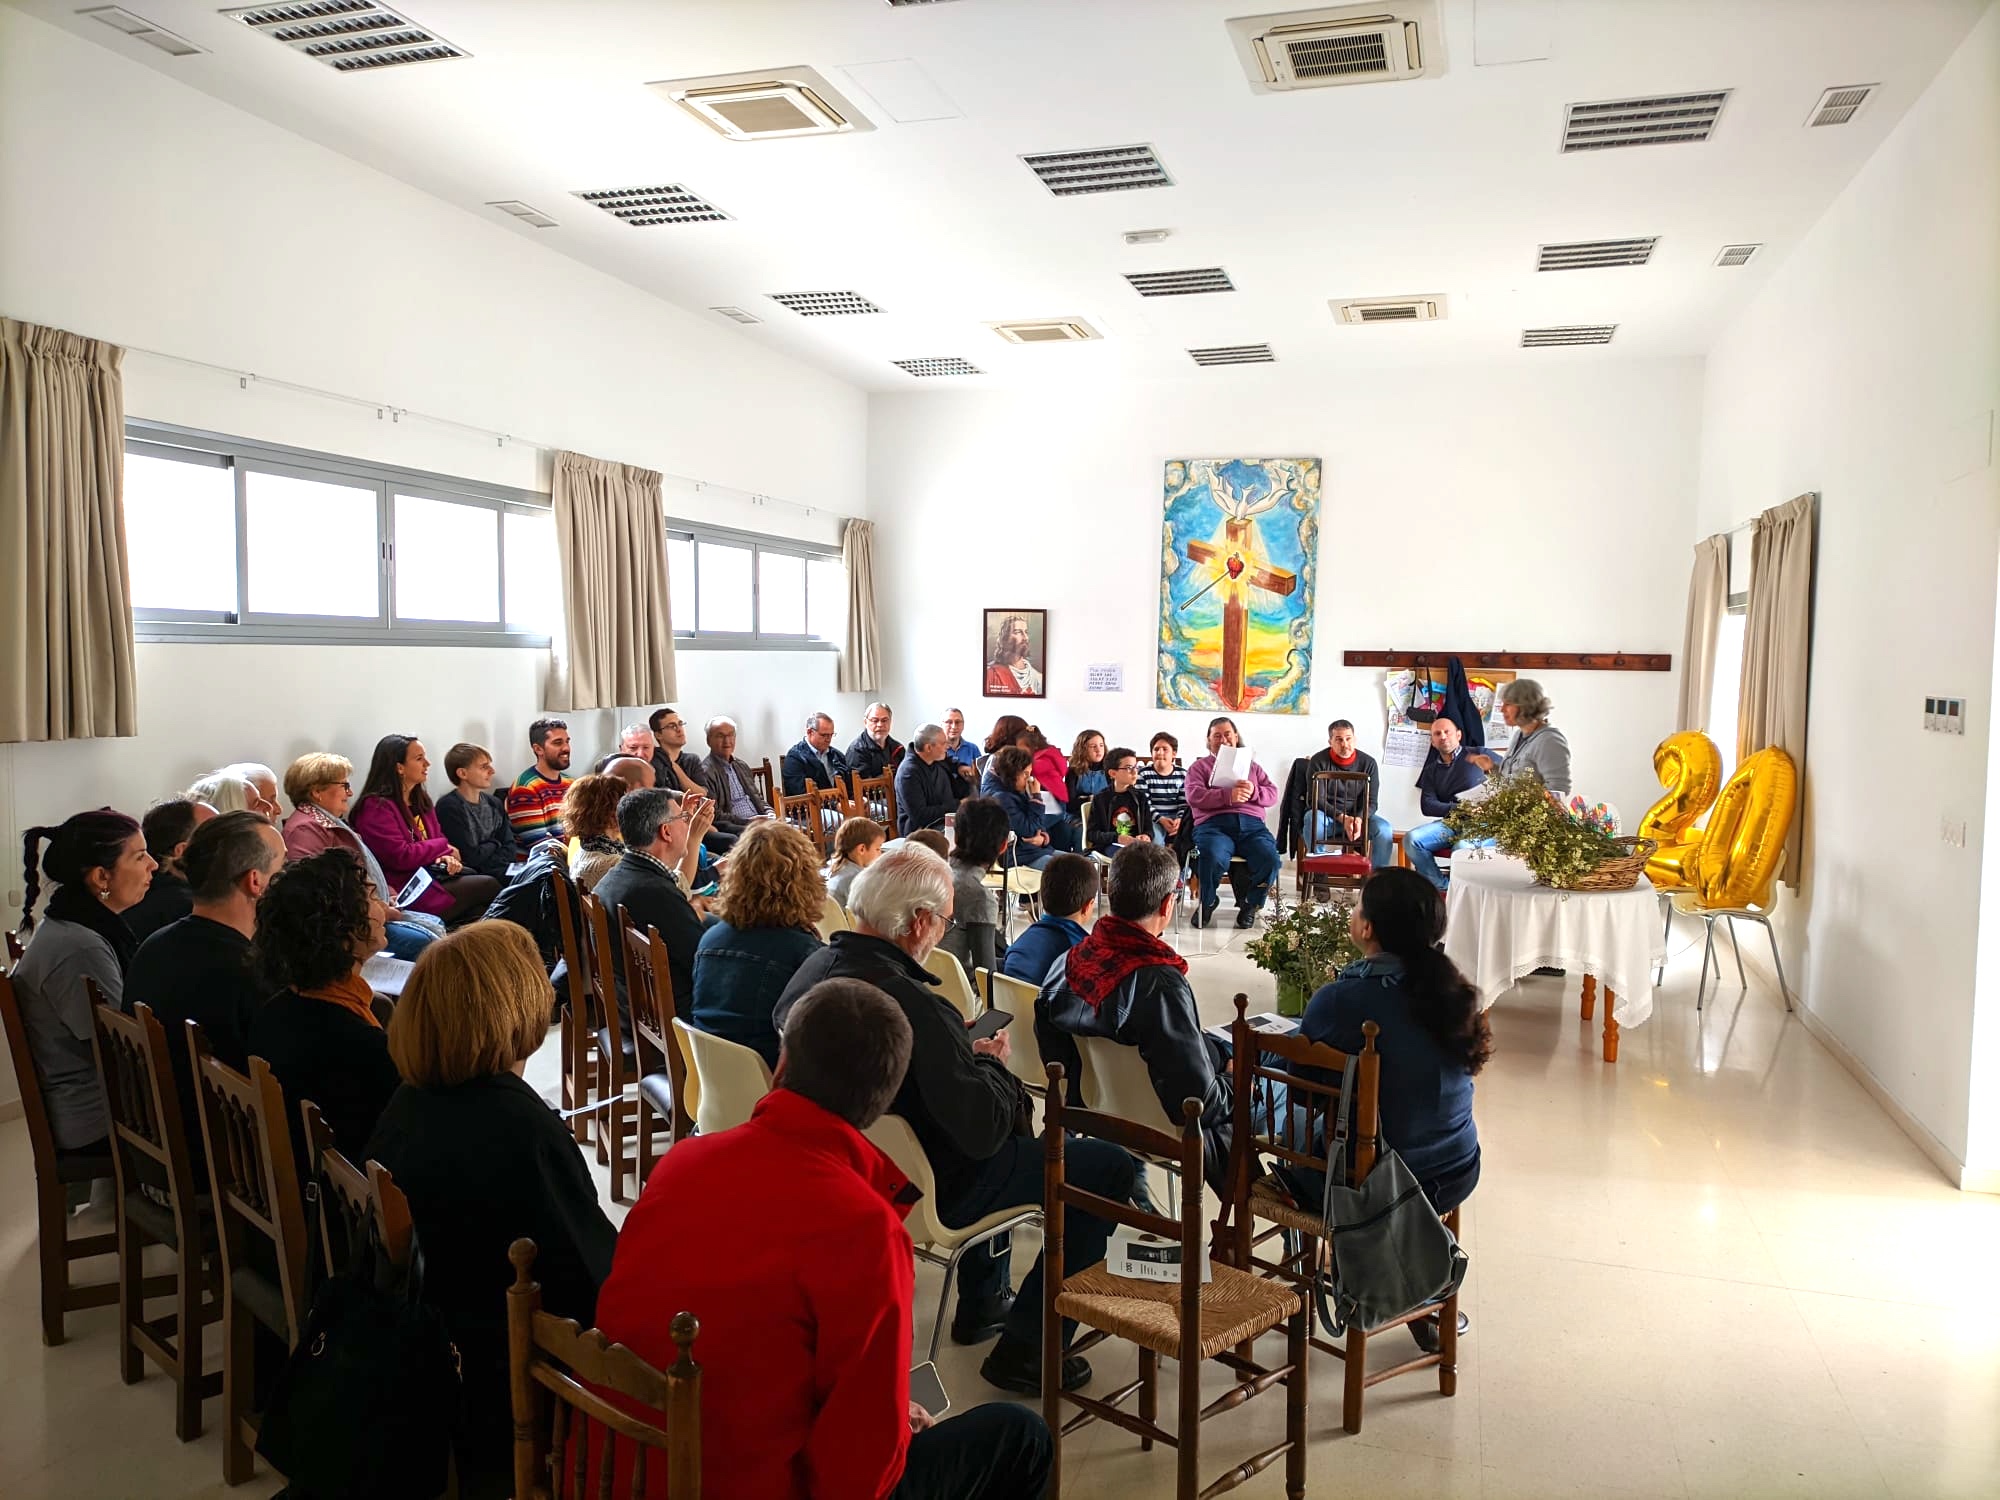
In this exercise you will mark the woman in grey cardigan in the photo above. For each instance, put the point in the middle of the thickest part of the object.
(1538, 745)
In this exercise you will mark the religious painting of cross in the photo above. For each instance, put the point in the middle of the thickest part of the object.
(1238, 558)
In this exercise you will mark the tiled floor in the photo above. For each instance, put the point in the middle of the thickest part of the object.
(1713, 1269)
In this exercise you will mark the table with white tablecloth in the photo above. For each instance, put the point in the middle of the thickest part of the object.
(1502, 926)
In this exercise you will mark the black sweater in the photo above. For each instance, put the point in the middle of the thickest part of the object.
(326, 1053)
(197, 970)
(480, 832)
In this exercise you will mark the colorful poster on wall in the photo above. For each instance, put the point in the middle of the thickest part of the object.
(1237, 562)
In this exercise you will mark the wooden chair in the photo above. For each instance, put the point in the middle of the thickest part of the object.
(1187, 1322)
(564, 1428)
(1024, 1053)
(1267, 1069)
(261, 1228)
(16, 949)
(731, 1078)
(157, 1204)
(953, 983)
(649, 981)
(577, 1003)
(353, 1203)
(874, 797)
(763, 784)
(815, 812)
(1345, 867)
(621, 1059)
(55, 1171)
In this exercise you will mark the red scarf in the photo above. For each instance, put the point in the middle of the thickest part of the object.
(1109, 953)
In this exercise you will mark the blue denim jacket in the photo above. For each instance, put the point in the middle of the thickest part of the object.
(739, 973)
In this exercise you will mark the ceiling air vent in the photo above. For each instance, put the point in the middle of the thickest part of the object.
(737, 315)
(527, 213)
(1658, 121)
(899, 4)
(1575, 333)
(1737, 255)
(142, 30)
(1839, 105)
(1233, 354)
(1590, 255)
(1180, 283)
(1389, 309)
(649, 207)
(1111, 169)
(824, 304)
(1317, 49)
(948, 365)
(774, 105)
(350, 36)
(1046, 331)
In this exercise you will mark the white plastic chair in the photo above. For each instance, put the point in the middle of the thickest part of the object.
(732, 1078)
(957, 988)
(1115, 1082)
(832, 919)
(1024, 1057)
(933, 1239)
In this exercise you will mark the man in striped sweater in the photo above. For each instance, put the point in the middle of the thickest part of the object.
(534, 801)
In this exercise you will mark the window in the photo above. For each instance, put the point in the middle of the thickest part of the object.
(732, 590)
(233, 540)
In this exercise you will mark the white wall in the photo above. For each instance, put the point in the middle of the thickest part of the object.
(138, 210)
(1471, 508)
(1868, 370)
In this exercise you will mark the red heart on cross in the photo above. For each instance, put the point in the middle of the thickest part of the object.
(1235, 566)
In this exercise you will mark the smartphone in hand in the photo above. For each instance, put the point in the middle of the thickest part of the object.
(991, 1023)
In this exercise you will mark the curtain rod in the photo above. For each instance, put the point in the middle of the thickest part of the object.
(391, 412)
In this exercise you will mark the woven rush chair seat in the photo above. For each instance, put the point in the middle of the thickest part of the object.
(1234, 1306)
(1266, 1203)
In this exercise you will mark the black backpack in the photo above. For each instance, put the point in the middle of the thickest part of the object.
(530, 900)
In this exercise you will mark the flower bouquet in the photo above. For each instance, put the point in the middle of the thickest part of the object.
(1303, 950)
(1569, 848)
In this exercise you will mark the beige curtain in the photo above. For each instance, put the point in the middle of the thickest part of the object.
(1777, 647)
(611, 541)
(861, 663)
(1708, 590)
(66, 668)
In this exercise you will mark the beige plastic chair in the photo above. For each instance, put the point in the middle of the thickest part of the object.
(1019, 880)
(832, 919)
(933, 1239)
(1115, 1082)
(957, 988)
(1024, 1060)
(732, 1079)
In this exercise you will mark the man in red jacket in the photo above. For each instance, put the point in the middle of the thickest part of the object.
(785, 1238)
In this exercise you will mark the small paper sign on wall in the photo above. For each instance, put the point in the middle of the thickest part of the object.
(1104, 677)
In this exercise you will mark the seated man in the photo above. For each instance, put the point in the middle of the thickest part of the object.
(970, 1114)
(960, 751)
(167, 827)
(646, 881)
(1229, 822)
(728, 782)
(638, 741)
(813, 762)
(637, 774)
(263, 784)
(802, 1278)
(928, 788)
(1337, 818)
(1446, 773)
(874, 751)
(476, 824)
(534, 801)
(1120, 814)
(1069, 905)
(1122, 982)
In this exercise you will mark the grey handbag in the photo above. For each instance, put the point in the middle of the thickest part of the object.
(1390, 1253)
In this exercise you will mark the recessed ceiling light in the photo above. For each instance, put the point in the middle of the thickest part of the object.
(349, 36)
(945, 365)
(1107, 169)
(1662, 120)
(650, 207)
(1575, 333)
(1588, 255)
(824, 304)
(142, 30)
(1234, 354)
(737, 314)
(1146, 236)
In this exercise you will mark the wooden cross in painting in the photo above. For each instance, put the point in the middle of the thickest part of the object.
(1237, 578)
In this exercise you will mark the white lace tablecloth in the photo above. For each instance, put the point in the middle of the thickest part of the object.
(1502, 926)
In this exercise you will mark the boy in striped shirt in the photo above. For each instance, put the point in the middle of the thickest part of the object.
(1164, 786)
(534, 801)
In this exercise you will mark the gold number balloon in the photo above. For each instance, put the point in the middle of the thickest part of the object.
(1690, 768)
(1745, 838)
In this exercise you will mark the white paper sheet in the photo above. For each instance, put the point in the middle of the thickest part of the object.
(1233, 763)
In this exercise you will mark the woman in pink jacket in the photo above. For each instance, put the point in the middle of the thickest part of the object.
(396, 820)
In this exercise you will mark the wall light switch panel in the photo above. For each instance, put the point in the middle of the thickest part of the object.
(1944, 715)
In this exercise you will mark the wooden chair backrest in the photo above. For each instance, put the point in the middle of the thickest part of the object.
(41, 1139)
(600, 957)
(15, 947)
(149, 1141)
(579, 975)
(649, 984)
(1270, 1069)
(252, 1170)
(557, 1373)
(875, 797)
(763, 784)
(809, 813)
(1319, 799)
(352, 1202)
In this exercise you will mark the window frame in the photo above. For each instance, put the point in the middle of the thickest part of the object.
(244, 456)
(756, 639)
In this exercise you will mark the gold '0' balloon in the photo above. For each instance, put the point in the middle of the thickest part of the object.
(1745, 839)
(1690, 768)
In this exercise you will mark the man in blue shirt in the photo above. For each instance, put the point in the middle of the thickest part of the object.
(961, 753)
(1069, 904)
(1446, 773)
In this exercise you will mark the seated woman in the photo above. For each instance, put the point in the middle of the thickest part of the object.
(99, 866)
(320, 788)
(1087, 774)
(1118, 815)
(1434, 1038)
(316, 926)
(1037, 834)
(857, 844)
(589, 824)
(1049, 766)
(1006, 730)
(395, 818)
(771, 896)
(484, 1162)
(974, 938)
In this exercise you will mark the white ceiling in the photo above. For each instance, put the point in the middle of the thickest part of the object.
(1425, 187)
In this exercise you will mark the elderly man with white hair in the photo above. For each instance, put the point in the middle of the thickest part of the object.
(927, 787)
(970, 1114)
(730, 785)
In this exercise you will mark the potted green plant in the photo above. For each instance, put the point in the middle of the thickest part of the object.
(1565, 849)
(1304, 949)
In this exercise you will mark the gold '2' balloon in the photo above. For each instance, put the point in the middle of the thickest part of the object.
(1745, 839)
(1690, 768)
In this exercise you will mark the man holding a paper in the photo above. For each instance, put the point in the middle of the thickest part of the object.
(1229, 795)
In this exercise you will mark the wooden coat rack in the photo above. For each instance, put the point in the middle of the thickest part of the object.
(1519, 661)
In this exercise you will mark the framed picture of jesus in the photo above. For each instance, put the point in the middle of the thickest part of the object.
(1016, 661)
(1238, 557)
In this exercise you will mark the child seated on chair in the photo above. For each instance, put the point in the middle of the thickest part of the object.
(857, 844)
(1069, 905)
